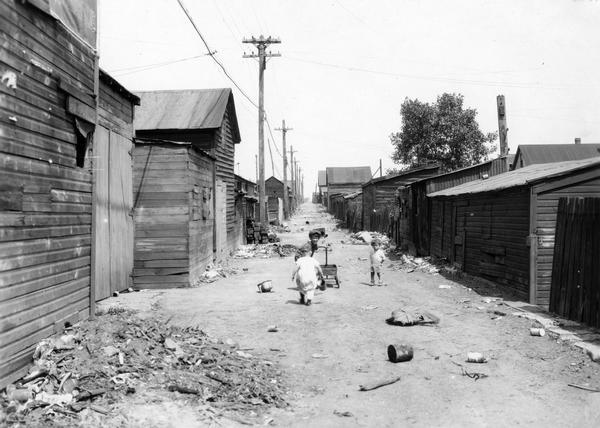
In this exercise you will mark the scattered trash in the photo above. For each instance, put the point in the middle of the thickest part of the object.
(399, 353)
(585, 388)
(265, 286)
(445, 286)
(264, 251)
(319, 356)
(378, 384)
(115, 294)
(343, 414)
(497, 312)
(365, 238)
(272, 329)
(537, 331)
(78, 370)
(368, 307)
(476, 357)
(473, 375)
(214, 273)
(408, 317)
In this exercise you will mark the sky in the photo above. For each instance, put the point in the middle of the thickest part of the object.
(346, 66)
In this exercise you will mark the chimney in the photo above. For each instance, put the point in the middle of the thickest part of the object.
(577, 140)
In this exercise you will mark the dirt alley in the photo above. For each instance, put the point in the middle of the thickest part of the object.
(330, 348)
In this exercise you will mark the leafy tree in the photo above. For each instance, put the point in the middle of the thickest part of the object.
(443, 132)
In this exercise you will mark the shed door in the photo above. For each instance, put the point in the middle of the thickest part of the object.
(221, 218)
(460, 232)
(113, 255)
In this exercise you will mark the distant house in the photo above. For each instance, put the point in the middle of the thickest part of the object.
(380, 198)
(503, 228)
(206, 118)
(345, 180)
(418, 212)
(274, 193)
(531, 154)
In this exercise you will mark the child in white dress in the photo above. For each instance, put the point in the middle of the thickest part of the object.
(306, 273)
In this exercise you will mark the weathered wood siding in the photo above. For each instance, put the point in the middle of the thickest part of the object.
(112, 160)
(161, 216)
(201, 230)
(45, 199)
(546, 206)
(488, 236)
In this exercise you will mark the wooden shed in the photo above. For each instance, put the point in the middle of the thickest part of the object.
(48, 89)
(503, 228)
(322, 186)
(207, 119)
(274, 193)
(380, 198)
(246, 204)
(174, 213)
(415, 218)
(353, 211)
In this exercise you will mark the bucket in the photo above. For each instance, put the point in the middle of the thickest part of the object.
(537, 331)
(400, 353)
(265, 286)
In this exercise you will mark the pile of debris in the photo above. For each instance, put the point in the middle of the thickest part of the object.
(410, 264)
(363, 238)
(264, 251)
(102, 366)
(214, 273)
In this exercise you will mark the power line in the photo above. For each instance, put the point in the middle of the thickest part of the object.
(212, 54)
(139, 68)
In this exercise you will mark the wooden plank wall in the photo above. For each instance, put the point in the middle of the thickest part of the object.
(161, 193)
(489, 237)
(545, 227)
(202, 214)
(112, 150)
(575, 289)
(225, 154)
(45, 199)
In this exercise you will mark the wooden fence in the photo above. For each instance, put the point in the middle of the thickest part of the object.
(575, 290)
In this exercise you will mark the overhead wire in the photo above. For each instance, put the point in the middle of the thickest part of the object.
(140, 68)
(212, 55)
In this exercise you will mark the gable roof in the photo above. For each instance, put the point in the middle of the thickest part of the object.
(519, 177)
(322, 178)
(546, 153)
(348, 175)
(420, 172)
(273, 178)
(189, 109)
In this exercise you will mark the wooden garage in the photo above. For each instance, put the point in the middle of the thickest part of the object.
(503, 228)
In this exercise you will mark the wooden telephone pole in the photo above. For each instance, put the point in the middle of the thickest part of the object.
(261, 44)
(293, 185)
(286, 197)
(502, 129)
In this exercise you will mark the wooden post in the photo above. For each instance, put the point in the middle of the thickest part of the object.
(261, 44)
(286, 201)
(502, 129)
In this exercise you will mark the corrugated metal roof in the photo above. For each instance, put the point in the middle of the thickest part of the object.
(348, 175)
(546, 153)
(322, 178)
(182, 109)
(518, 177)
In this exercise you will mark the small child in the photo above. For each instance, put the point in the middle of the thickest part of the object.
(305, 273)
(377, 256)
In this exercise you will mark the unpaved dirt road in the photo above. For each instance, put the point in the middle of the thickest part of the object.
(330, 348)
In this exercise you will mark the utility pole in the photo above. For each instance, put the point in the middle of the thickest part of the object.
(286, 197)
(502, 129)
(380, 168)
(293, 185)
(261, 43)
(256, 166)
